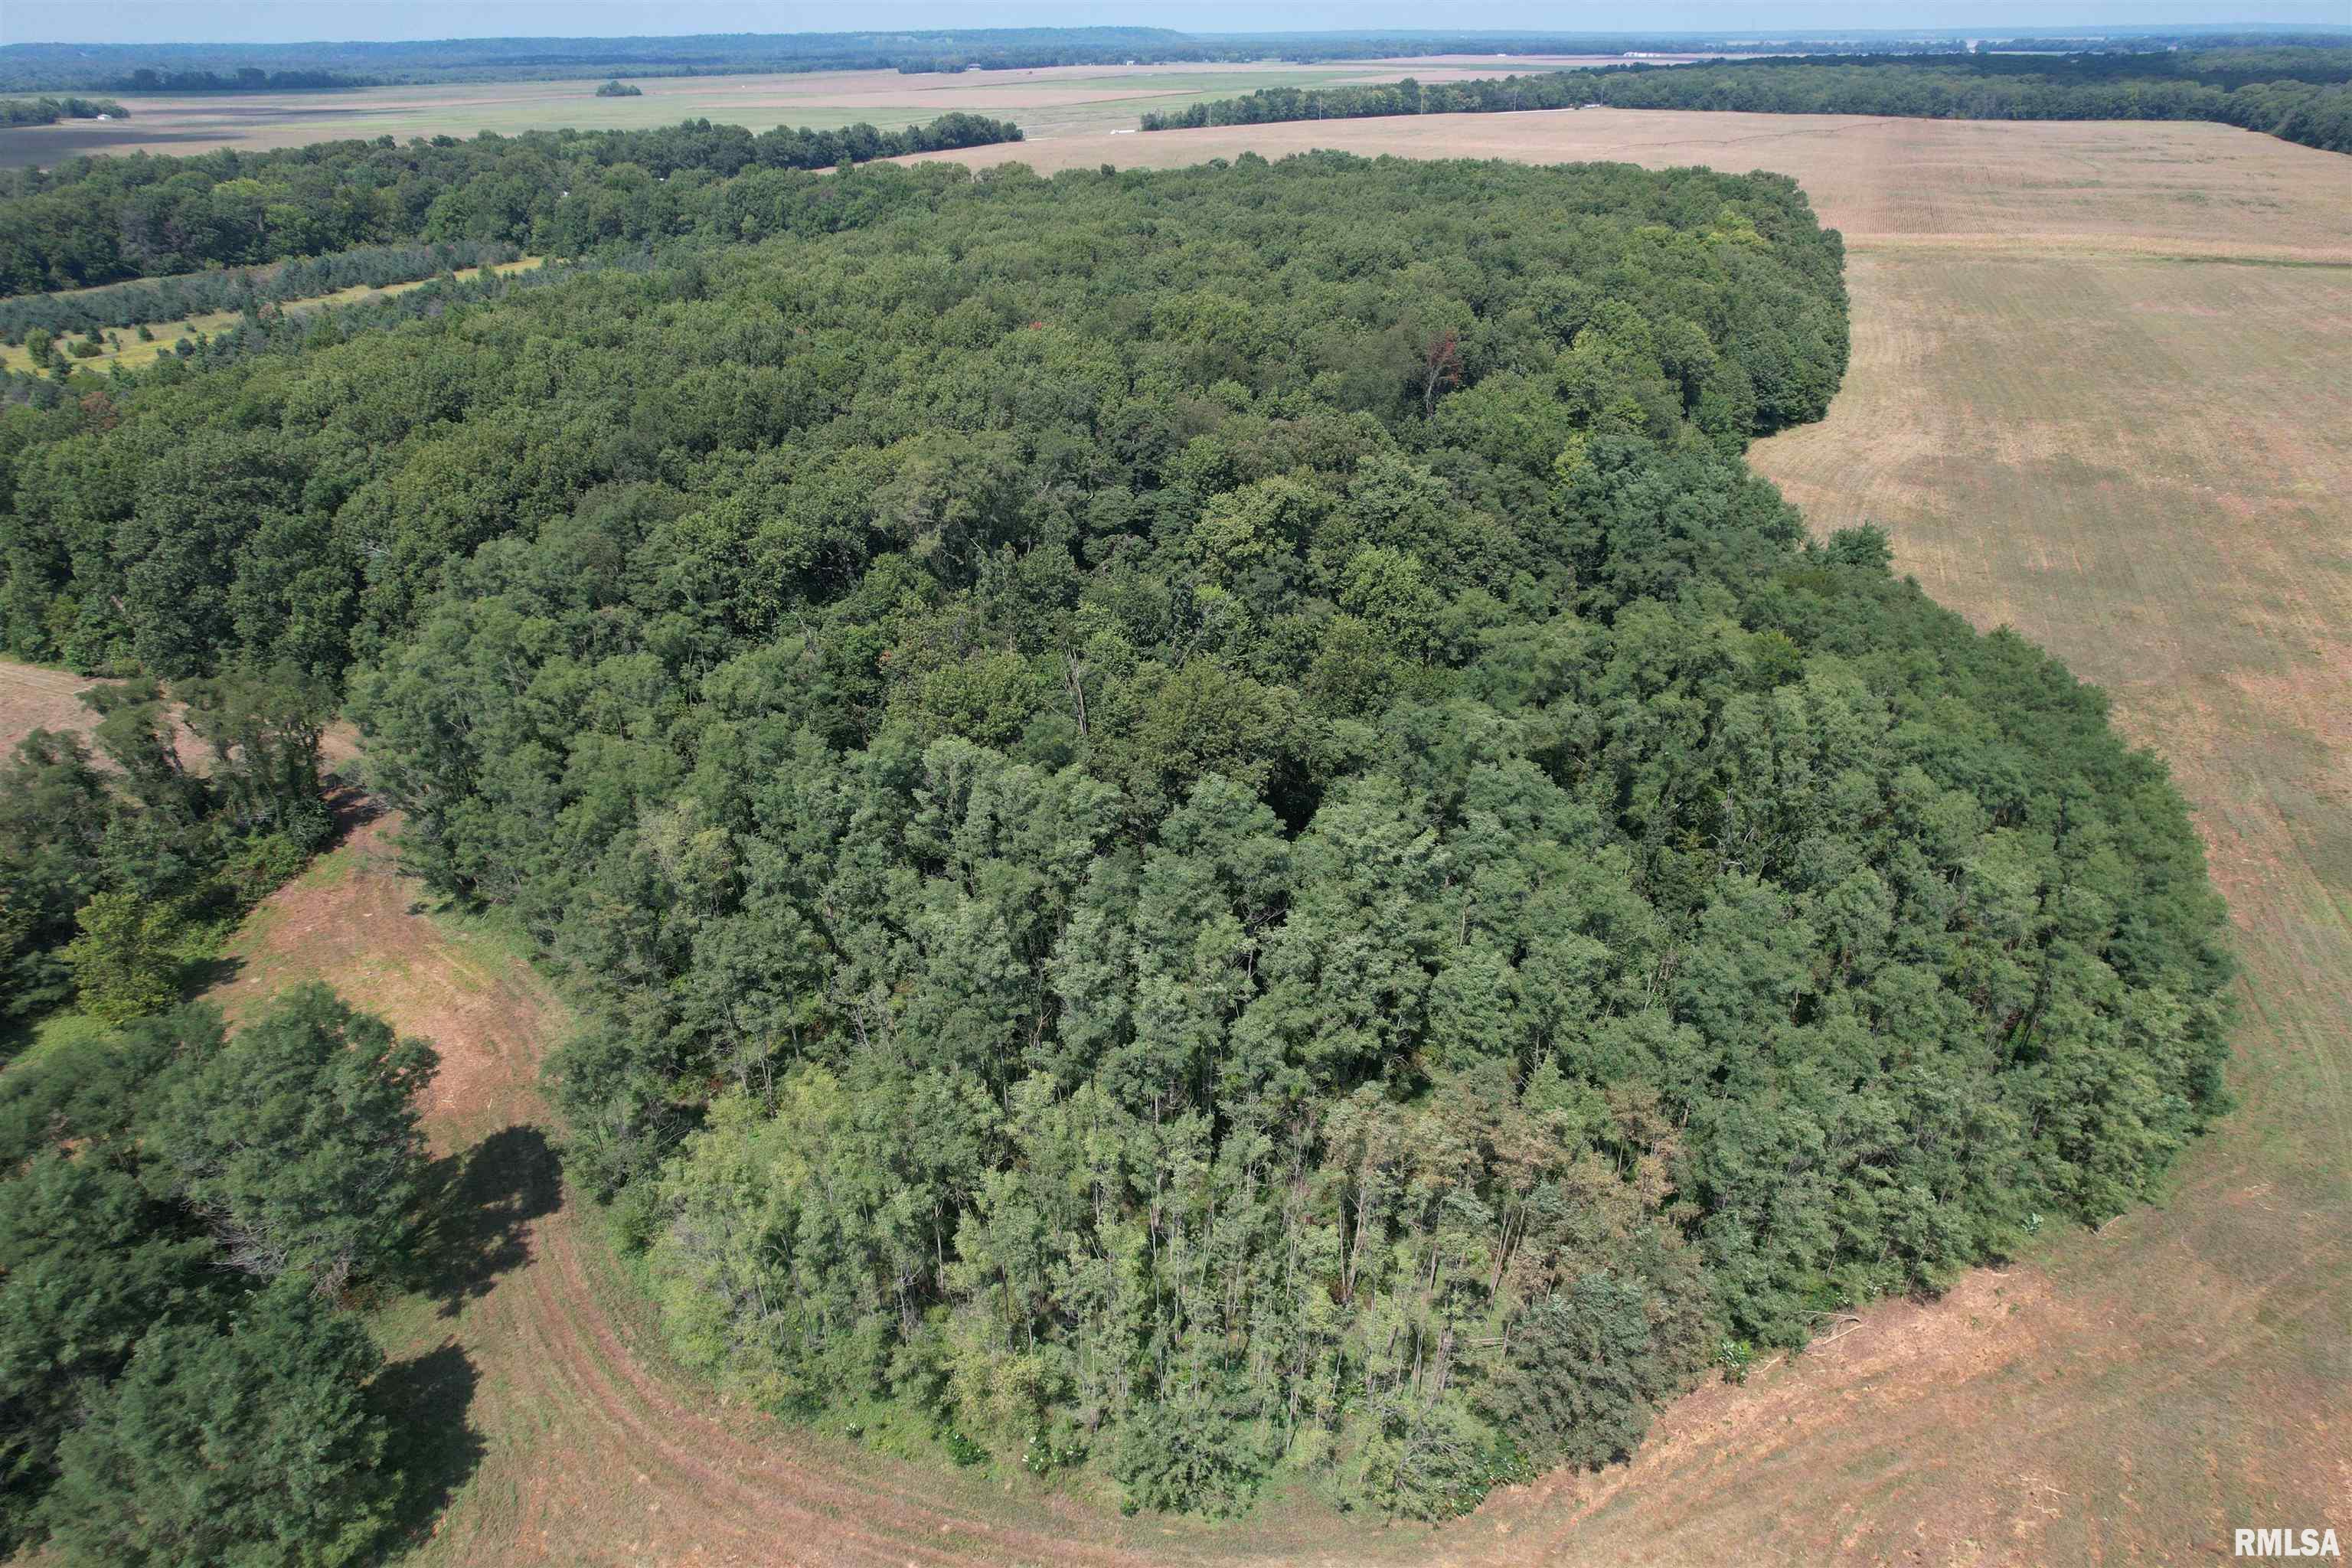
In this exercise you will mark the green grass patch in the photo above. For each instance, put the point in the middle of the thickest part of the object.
(124, 347)
(26, 1043)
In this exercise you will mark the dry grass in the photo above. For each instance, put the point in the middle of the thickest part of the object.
(123, 346)
(34, 698)
(2139, 461)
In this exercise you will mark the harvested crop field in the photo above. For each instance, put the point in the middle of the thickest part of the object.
(2095, 394)
(1045, 102)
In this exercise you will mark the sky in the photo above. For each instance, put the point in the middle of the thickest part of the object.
(275, 21)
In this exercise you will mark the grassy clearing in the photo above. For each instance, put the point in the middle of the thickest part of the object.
(125, 348)
(32, 696)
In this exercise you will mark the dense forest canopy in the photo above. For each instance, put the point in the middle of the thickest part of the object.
(1205, 825)
(182, 1377)
(99, 220)
(2299, 94)
(246, 79)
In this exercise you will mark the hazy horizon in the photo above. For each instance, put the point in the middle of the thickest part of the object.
(295, 22)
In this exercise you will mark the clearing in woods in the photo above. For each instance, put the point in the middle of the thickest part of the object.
(124, 347)
(2091, 397)
(33, 698)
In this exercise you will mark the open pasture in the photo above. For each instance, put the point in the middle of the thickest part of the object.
(1046, 102)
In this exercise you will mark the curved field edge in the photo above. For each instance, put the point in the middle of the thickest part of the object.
(2122, 444)
(2125, 1396)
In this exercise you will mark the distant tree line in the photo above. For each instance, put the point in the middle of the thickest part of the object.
(43, 65)
(1203, 824)
(2309, 103)
(49, 110)
(618, 88)
(38, 67)
(246, 79)
(177, 297)
(99, 220)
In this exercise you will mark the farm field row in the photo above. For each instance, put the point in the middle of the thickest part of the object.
(123, 345)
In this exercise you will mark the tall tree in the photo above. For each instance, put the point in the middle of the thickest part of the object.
(296, 1136)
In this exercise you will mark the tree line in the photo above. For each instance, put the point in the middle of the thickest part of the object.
(244, 79)
(2308, 102)
(121, 865)
(49, 110)
(188, 1215)
(102, 220)
(54, 65)
(1203, 826)
(35, 66)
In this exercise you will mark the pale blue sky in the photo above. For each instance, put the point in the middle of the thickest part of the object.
(269, 21)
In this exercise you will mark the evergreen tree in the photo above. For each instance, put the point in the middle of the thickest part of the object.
(297, 1137)
(252, 1443)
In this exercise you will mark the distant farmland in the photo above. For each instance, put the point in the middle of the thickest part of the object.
(1049, 101)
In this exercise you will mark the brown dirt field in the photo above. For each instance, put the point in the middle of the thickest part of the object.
(2140, 461)
(34, 698)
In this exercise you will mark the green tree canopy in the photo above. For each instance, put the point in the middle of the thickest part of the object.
(296, 1137)
(251, 1444)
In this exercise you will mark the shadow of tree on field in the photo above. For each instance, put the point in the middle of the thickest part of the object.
(201, 977)
(349, 809)
(434, 1447)
(483, 1203)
